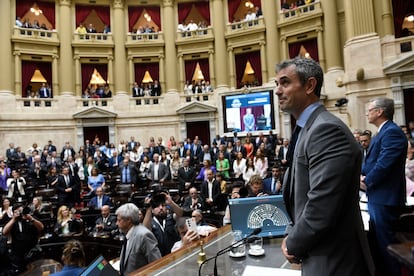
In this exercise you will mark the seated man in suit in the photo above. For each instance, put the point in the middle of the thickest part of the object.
(158, 171)
(193, 201)
(99, 200)
(273, 185)
(106, 222)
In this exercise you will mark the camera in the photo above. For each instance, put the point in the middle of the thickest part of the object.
(26, 210)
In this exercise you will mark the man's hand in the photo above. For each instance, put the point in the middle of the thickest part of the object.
(362, 184)
(291, 258)
(189, 237)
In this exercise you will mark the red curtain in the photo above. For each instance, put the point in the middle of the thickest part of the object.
(153, 69)
(87, 70)
(310, 45)
(134, 12)
(82, 13)
(204, 9)
(233, 5)
(241, 60)
(48, 8)
(400, 9)
(28, 68)
(183, 11)
(190, 66)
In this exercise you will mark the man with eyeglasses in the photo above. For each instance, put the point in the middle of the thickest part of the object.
(383, 179)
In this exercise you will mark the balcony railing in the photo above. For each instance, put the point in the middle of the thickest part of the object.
(145, 37)
(395, 48)
(245, 25)
(93, 38)
(197, 97)
(300, 11)
(35, 103)
(199, 33)
(147, 100)
(86, 102)
(35, 33)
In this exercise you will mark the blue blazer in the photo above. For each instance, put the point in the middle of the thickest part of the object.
(384, 166)
(106, 200)
(267, 186)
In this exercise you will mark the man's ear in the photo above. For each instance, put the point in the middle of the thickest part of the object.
(310, 85)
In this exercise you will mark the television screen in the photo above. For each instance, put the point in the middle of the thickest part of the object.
(248, 112)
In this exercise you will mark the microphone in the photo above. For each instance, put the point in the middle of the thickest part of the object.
(247, 239)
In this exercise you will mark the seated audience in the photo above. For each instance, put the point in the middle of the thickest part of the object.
(202, 175)
(106, 222)
(255, 186)
(6, 211)
(73, 258)
(193, 201)
(203, 228)
(273, 185)
(66, 223)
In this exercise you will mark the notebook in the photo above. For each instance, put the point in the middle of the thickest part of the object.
(100, 267)
(266, 212)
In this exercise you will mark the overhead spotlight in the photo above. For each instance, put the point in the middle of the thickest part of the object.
(340, 102)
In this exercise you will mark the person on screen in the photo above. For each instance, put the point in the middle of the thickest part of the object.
(73, 258)
(248, 120)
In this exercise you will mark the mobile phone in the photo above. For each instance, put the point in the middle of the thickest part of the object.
(191, 224)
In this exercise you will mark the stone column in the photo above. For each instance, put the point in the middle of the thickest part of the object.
(55, 75)
(219, 43)
(359, 17)
(398, 96)
(111, 72)
(161, 63)
(6, 70)
(131, 71)
(120, 75)
(181, 71)
(232, 74)
(387, 18)
(65, 35)
(333, 49)
(17, 73)
(263, 61)
(78, 76)
(321, 48)
(211, 67)
(284, 46)
(272, 37)
(170, 30)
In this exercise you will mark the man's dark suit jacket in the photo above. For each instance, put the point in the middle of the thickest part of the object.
(66, 198)
(93, 203)
(267, 186)
(184, 177)
(323, 202)
(216, 190)
(109, 225)
(132, 171)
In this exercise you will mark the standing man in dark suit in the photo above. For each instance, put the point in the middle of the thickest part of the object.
(321, 186)
(383, 178)
(66, 188)
(50, 147)
(44, 91)
(128, 172)
(210, 189)
(186, 176)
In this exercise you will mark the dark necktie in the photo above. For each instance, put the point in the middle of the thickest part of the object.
(122, 260)
(289, 157)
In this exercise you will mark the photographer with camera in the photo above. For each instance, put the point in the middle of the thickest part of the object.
(160, 216)
(25, 231)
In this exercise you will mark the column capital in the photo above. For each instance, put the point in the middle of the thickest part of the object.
(211, 52)
(262, 43)
(65, 2)
(55, 57)
(76, 57)
(110, 57)
(118, 4)
(129, 58)
(16, 53)
(283, 38)
(319, 29)
(230, 49)
(180, 55)
(167, 3)
(161, 56)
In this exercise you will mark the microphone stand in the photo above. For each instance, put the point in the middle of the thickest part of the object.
(227, 249)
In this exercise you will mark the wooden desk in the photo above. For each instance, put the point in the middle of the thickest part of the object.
(402, 252)
(184, 261)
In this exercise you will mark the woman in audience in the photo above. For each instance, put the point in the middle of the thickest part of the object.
(260, 163)
(6, 211)
(145, 166)
(5, 173)
(73, 258)
(202, 175)
(239, 165)
(223, 165)
(249, 171)
(90, 164)
(95, 180)
(64, 222)
(175, 164)
(16, 185)
(36, 207)
(52, 177)
(248, 145)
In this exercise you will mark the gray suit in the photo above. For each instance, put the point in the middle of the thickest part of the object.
(326, 232)
(163, 172)
(142, 249)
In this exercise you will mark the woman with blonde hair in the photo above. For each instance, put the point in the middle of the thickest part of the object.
(64, 221)
(73, 258)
